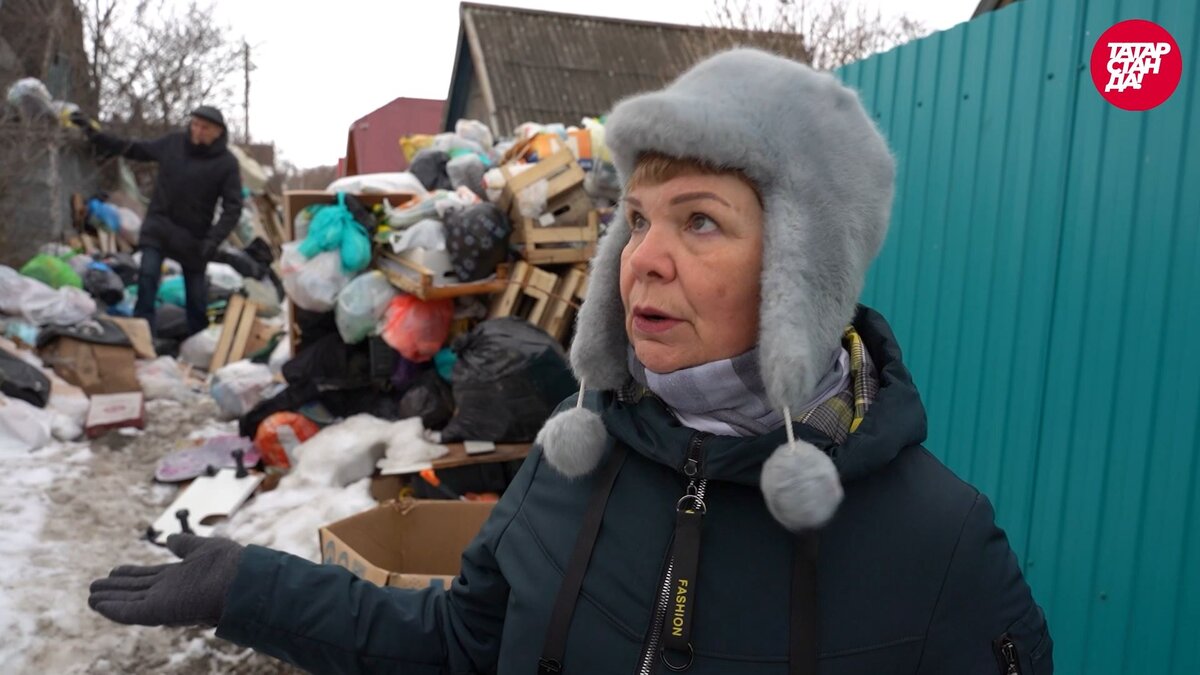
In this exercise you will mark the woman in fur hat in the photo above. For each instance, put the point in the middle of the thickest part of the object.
(740, 485)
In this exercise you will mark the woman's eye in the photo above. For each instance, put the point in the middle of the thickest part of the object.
(702, 224)
(637, 222)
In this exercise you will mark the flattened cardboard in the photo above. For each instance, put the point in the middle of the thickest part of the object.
(406, 544)
(138, 332)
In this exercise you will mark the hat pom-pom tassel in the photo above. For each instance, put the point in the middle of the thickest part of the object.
(573, 441)
(800, 485)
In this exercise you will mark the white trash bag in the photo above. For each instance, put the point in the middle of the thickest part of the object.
(23, 427)
(39, 304)
(198, 350)
(313, 284)
(240, 386)
(161, 379)
(361, 304)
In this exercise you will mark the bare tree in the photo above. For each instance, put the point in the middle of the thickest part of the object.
(151, 64)
(835, 32)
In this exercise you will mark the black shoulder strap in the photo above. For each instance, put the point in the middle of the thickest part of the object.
(804, 631)
(568, 592)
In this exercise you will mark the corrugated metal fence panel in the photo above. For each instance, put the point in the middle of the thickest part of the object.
(1042, 274)
(1118, 367)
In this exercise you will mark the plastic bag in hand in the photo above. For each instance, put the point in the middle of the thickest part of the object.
(415, 328)
(312, 284)
(361, 304)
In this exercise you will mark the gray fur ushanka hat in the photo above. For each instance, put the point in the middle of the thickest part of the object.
(826, 179)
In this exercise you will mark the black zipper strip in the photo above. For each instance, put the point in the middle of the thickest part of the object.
(677, 627)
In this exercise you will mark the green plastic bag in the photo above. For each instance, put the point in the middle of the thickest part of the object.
(51, 271)
(172, 292)
(334, 228)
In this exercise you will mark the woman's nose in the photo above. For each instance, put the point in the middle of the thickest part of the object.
(653, 253)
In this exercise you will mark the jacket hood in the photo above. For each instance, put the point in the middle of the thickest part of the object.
(895, 420)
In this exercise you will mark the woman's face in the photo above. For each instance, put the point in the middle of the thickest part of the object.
(690, 274)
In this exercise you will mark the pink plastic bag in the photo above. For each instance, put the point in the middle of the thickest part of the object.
(415, 328)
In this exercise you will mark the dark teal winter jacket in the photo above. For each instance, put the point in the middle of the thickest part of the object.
(913, 574)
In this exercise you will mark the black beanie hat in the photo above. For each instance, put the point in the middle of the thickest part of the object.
(207, 112)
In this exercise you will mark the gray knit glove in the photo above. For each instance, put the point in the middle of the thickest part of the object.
(189, 592)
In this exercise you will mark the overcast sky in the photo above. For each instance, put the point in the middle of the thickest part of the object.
(321, 65)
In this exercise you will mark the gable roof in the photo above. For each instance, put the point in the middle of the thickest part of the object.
(552, 67)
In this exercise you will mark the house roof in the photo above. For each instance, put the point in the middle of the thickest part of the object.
(373, 142)
(986, 6)
(552, 67)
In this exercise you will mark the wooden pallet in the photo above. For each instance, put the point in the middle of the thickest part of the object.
(563, 303)
(240, 317)
(552, 298)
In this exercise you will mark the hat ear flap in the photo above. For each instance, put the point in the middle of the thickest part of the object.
(599, 350)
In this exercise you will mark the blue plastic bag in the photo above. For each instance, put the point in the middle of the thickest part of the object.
(334, 228)
(102, 214)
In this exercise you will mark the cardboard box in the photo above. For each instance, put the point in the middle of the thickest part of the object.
(95, 368)
(406, 544)
(138, 332)
(115, 411)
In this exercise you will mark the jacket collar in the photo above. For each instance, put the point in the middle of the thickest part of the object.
(896, 420)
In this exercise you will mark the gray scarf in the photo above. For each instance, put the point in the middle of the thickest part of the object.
(728, 397)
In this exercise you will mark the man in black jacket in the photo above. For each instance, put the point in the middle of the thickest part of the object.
(195, 170)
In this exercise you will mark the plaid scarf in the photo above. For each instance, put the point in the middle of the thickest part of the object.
(728, 397)
(839, 416)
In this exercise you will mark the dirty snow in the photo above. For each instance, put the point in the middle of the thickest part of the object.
(71, 512)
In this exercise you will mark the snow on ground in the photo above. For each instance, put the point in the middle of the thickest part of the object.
(71, 512)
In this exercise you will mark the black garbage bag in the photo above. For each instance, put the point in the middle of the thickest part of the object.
(104, 285)
(509, 377)
(167, 347)
(330, 364)
(170, 322)
(429, 166)
(124, 265)
(245, 264)
(20, 380)
(313, 327)
(291, 398)
(429, 398)
(260, 250)
(477, 240)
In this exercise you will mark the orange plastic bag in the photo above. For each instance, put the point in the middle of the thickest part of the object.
(416, 328)
(279, 434)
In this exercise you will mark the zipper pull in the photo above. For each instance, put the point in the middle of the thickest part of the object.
(1006, 655)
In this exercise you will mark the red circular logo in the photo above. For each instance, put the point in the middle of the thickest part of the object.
(1136, 65)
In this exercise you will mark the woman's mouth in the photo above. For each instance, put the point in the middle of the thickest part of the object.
(648, 320)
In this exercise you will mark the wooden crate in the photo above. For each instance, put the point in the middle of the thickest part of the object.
(557, 244)
(527, 281)
(414, 278)
(561, 172)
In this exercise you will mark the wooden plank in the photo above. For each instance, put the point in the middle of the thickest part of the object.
(237, 351)
(540, 286)
(415, 279)
(504, 452)
(233, 314)
(555, 321)
(504, 303)
(558, 256)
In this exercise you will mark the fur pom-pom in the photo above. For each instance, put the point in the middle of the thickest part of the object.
(573, 441)
(801, 487)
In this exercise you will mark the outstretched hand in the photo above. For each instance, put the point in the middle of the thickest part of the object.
(189, 592)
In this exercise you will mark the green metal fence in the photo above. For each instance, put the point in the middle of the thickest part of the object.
(1043, 275)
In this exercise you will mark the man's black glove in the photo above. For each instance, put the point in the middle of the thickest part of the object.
(208, 250)
(81, 120)
(186, 593)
